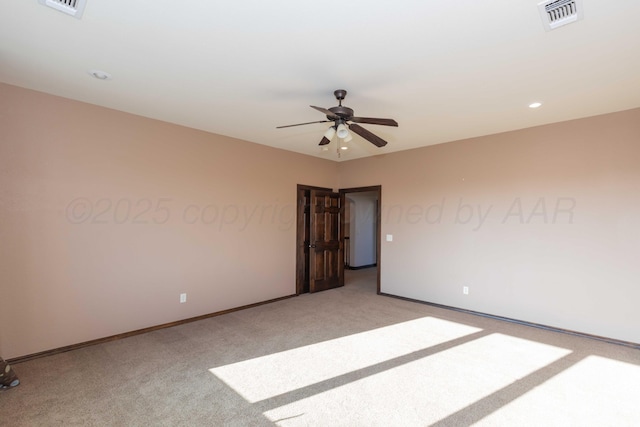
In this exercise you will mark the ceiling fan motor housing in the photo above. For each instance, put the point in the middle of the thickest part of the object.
(343, 112)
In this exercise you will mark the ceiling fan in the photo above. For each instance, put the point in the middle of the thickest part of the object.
(343, 120)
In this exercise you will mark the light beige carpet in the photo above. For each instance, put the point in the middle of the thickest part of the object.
(344, 357)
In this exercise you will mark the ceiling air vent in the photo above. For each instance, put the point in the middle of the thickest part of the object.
(70, 7)
(556, 13)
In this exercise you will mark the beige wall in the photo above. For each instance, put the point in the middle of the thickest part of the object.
(106, 217)
(541, 224)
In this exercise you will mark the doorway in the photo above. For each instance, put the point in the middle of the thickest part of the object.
(362, 240)
(321, 260)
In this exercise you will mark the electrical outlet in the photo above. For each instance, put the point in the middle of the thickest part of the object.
(183, 298)
(465, 290)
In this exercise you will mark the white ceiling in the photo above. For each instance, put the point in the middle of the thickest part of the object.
(445, 70)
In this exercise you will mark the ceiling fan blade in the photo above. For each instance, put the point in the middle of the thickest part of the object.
(372, 121)
(324, 141)
(300, 124)
(375, 140)
(325, 111)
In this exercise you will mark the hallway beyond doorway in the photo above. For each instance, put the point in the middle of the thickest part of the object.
(364, 279)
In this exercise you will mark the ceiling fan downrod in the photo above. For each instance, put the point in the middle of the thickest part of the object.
(340, 94)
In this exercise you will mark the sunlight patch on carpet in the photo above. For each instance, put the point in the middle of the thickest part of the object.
(427, 390)
(570, 397)
(275, 374)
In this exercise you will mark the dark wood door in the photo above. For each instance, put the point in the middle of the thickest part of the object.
(326, 265)
(302, 237)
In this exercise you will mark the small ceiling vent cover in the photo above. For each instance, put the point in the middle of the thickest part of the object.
(70, 7)
(556, 13)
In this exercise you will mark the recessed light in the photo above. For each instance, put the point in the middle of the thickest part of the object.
(535, 105)
(100, 75)
(344, 148)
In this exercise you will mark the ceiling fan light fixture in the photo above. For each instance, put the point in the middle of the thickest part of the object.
(347, 138)
(330, 133)
(342, 131)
